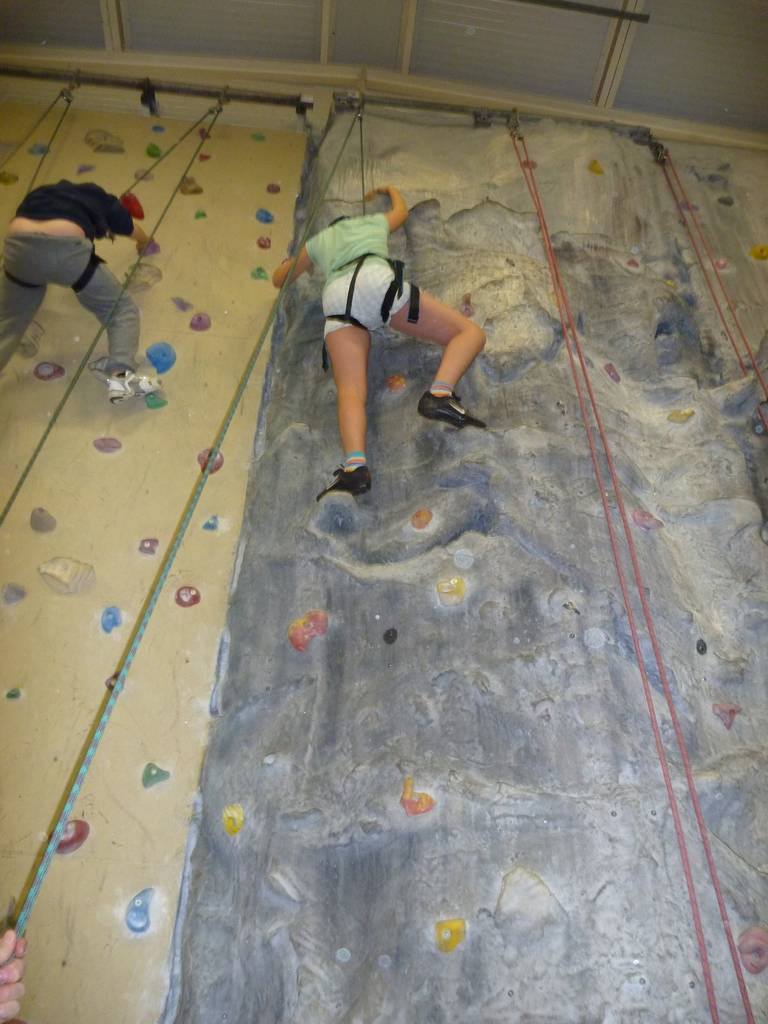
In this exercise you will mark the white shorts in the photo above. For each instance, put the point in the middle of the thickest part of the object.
(370, 287)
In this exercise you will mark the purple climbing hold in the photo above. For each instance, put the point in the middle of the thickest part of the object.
(85, 168)
(148, 545)
(203, 133)
(13, 593)
(200, 322)
(48, 371)
(613, 373)
(273, 187)
(645, 520)
(107, 445)
(264, 242)
(151, 248)
(181, 304)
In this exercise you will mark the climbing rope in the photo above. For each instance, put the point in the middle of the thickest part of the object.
(150, 601)
(685, 207)
(33, 129)
(66, 94)
(362, 154)
(214, 112)
(148, 171)
(573, 343)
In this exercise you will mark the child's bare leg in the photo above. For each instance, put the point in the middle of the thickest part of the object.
(462, 339)
(348, 348)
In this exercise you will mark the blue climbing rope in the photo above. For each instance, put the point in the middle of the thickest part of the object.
(150, 601)
(213, 112)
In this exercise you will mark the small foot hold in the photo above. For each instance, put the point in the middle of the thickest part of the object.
(358, 481)
(447, 410)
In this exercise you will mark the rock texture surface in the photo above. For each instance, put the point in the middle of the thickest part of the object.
(540, 880)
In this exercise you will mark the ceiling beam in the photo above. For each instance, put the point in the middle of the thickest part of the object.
(112, 23)
(327, 30)
(407, 32)
(579, 8)
(613, 60)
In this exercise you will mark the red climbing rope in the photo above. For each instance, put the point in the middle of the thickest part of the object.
(572, 341)
(686, 210)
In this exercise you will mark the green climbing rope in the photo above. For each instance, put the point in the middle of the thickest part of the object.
(32, 130)
(67, 95)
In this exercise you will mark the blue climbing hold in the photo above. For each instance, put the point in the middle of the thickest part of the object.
(111, 618)
(264, 216)
(211, 523)
(158, 129)
(137, 914)
(162, 356)
(38, 148)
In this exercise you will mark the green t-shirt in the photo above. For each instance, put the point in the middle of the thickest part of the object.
(330, 249)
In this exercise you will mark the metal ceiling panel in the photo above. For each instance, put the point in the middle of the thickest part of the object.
(701, 59)
(367, 32)
(42, 23)
(277, 29)
(509, 45)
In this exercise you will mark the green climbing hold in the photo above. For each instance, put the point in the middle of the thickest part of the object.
(155, 401)
(258, 137)
(200, 215)
(153, 774)
(154, 150)
(13, 694)
(259, 274)
(8, 178)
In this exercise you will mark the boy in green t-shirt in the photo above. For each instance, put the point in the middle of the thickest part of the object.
(364, 291)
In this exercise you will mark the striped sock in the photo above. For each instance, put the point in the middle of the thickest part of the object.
(440, 389)
(353, 461)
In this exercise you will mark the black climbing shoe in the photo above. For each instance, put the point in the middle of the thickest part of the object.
(356, 482)
(448, 410)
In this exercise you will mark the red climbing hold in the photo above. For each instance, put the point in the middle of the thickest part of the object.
(132, 205)
(613, 373)
(753, 947)
(48, 371)
(645, 520)
(187, 597)
(204, 455)
(726, 713)
(301, 631)
(264, 242)
(203, 157)
(74, 835)
(396, 382)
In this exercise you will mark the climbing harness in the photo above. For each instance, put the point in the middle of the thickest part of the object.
(214, 113)
(79, 284)
(576, 356)
(687, 212)
(394, 291)
(150, 601)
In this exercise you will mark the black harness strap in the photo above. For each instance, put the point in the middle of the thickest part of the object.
(22, 284)
(88, 273)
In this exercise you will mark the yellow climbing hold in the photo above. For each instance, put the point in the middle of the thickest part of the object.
(448, 934)
(451, 591)
(233, 818)
(759, 252)
(595, 166)
(681, 415)
(669, 282)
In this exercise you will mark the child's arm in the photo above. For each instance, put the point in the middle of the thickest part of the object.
(295, 266)
(398, 215)
(139, 236)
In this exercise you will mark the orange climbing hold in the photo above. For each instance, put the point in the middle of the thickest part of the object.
(396, 382)
(421, 518)
(449, 934)
(451, 592)
(301, 631)
(759, 252)
(415, 803)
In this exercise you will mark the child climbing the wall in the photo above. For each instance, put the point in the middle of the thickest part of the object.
(50, 241)
(364, 290)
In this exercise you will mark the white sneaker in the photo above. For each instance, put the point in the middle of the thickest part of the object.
(130, 385)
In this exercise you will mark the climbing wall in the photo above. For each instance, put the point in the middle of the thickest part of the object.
(84, 539)
(431, 792)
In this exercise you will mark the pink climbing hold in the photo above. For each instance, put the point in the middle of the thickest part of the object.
(721, 263)
(632, 262)
(264, 242)
(187, 597)
(74, 835)
(203, 133)
(466, 306)
(726, 713)
(203, 157)
(204, 456)
(48, 371)
(148, 545)
(530, 165)
(613, 373)
(645, 520)
(200, 322)
(753, 948)
(273, 188)
(304, 629)
(107, 445)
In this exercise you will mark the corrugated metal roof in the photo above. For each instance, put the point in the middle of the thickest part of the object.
(280, 29)
(510, 45)
(701, 59)
(367, 32)
(40, 22)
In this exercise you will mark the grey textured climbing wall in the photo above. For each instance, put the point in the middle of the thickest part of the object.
(490, 766)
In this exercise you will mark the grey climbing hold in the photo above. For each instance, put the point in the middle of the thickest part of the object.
(41, 520)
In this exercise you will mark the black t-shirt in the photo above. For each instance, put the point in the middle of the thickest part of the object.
(97, 212)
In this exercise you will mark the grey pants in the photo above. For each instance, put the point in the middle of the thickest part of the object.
(52, 259)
